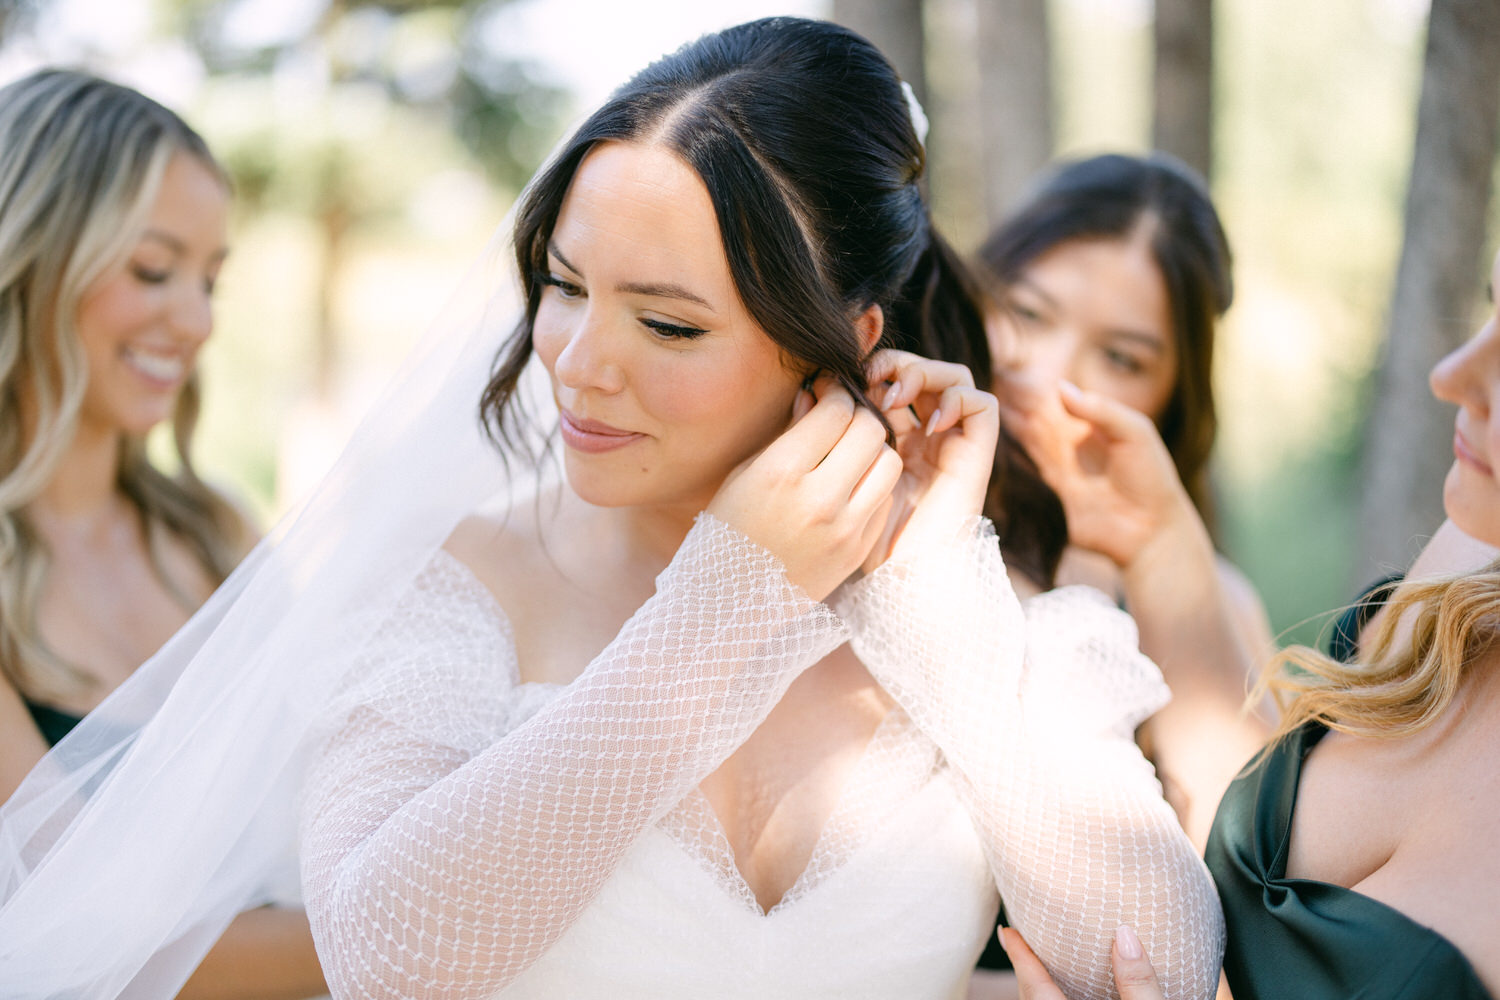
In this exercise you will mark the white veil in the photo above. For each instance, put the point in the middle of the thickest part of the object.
(172, 806)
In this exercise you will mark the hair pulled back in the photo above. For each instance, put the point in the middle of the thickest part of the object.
(801, 133)
(1114, 197)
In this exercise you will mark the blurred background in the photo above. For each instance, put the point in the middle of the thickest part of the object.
(376, 146)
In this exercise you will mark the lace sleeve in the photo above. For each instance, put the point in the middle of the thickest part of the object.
(444, 854)
(1036, 709)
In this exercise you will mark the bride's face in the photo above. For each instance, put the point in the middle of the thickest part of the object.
(663, 380)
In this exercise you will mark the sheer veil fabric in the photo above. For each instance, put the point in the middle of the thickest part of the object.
(173, 805)
(507, 814)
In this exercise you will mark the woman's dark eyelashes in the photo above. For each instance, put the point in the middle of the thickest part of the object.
(149, 276)
(570, 290)
(1124, 361)
(566, 287)
(1025, 313)
(674, 329)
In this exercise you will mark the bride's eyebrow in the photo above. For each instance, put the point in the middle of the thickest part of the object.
(662, 290)
(552, 249)
(655, 289)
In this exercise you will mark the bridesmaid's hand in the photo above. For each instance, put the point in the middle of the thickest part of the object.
(818, 496)
(1107, 464)
(1134, 976)
(946, 432)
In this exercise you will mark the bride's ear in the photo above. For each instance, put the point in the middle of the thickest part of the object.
(868, 327)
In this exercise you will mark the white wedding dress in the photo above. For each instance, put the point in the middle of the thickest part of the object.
(465, 835)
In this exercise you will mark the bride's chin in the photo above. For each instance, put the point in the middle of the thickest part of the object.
(615, 490)
(596, 494)
(609, 487)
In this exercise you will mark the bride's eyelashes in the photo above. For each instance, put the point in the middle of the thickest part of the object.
(673, 329)
(566, 288)
(571, 290)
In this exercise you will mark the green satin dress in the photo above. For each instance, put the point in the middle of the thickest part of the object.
(1297, 939)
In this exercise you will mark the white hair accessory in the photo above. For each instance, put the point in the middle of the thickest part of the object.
(918, 116)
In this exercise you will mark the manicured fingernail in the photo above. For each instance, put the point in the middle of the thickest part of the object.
(1000, 933)
(1069, 389)
(1129, 944)
(932, 421)
(891, 395)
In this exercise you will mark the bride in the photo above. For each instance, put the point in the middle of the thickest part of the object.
(745, 706)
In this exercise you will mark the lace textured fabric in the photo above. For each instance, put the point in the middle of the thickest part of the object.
(1036, 711)
(436, 864)
(457, 823)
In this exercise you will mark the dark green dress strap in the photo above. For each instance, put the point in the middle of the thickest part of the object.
(1343, 641)
(1298, 939)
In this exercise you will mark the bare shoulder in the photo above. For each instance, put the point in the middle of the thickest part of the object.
(1409, 821)
(1347, 820)
(499, 548)
(1246, 609)
(247, 527)
(243, 530)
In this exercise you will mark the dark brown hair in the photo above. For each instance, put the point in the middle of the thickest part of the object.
(1110, 197)
(801, 133)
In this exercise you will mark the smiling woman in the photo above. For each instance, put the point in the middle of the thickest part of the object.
(707, 386)
(741, 705)
(113, 234)
(142, 322)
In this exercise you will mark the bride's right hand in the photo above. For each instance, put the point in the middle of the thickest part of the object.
(817, 497)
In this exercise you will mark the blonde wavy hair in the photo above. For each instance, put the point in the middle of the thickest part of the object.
(81, 162)
(1427, 642)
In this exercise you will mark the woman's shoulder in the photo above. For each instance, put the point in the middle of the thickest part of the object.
(1310, 851)
(501, 549)
(235, 519)
(1246, 608)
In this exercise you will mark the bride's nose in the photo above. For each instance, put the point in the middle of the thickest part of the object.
(591, 356)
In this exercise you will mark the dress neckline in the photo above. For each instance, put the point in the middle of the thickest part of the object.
(893, 764)
(1292, 754)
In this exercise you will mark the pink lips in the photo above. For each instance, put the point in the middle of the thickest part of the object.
(592, 436)
(1464, 453)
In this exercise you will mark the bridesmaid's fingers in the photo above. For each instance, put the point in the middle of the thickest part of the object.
(1134, 975)
(1031, 974)
(1112, 418)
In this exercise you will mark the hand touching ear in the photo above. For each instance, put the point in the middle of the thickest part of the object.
(818, 496)
(946, 432)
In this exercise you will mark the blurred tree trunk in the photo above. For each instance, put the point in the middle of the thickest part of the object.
(1015, 95)
(1408, 446)
(895, 27)
(1183, 81)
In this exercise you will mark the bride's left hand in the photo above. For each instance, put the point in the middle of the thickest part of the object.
(946, 433)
